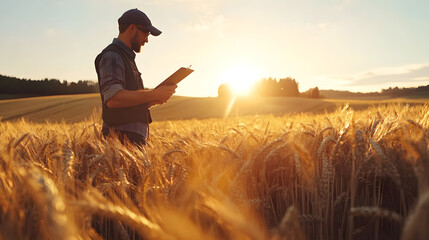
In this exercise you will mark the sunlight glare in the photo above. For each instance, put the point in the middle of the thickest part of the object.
(229, 107)
(241, 78)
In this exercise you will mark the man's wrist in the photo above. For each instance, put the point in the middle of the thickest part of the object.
(149, 95)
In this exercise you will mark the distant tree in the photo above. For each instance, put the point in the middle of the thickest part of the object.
(315, 93)
(267, 87)
(311, 93)
(285, 87)
(288, 87)
(225, 91)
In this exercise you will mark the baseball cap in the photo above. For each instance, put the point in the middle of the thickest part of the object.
(135, 16)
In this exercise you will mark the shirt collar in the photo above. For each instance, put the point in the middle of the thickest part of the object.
(124, 46)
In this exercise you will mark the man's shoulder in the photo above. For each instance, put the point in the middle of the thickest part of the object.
(111, 48)
(109, 53)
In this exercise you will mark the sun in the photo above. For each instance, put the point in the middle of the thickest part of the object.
(241, 78)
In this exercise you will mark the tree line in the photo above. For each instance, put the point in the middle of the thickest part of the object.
(13, 85)
(395, 92)
(271, 87)
(289, 87)
(400, 92)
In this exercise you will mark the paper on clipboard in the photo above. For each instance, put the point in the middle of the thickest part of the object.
(177, 76)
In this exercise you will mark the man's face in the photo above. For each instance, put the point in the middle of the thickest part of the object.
(139, 39)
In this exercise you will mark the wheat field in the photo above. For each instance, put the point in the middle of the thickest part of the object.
(341, 175)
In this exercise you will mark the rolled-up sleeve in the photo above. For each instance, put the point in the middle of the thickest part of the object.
(112, 74)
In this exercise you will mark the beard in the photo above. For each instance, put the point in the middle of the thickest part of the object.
(135, 45)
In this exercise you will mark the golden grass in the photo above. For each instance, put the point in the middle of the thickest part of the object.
(342, 175)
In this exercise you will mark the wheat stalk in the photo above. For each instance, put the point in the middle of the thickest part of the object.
(376, 212)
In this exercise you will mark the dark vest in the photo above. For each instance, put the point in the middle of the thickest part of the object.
(133, 81)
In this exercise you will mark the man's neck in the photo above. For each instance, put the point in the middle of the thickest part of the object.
(125, 40)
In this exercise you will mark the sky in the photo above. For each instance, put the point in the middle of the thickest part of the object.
(356, 45)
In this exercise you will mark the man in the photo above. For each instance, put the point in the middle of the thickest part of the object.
(125, 102)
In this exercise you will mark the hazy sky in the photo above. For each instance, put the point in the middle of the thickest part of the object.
(359, 45)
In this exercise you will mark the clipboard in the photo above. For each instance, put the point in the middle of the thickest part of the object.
(177, 76)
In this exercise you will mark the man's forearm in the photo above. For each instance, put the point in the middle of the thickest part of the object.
(125, 98)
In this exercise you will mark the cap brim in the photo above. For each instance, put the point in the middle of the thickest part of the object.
(154, 31)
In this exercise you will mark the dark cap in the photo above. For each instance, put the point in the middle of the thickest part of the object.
(137, 17)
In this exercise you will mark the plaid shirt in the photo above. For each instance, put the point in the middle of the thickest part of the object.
(112, 79)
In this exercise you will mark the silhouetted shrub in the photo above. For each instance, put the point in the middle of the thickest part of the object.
(225, 91)
(311, 93)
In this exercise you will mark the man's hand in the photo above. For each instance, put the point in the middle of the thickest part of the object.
(126, 98)
(163, 93)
